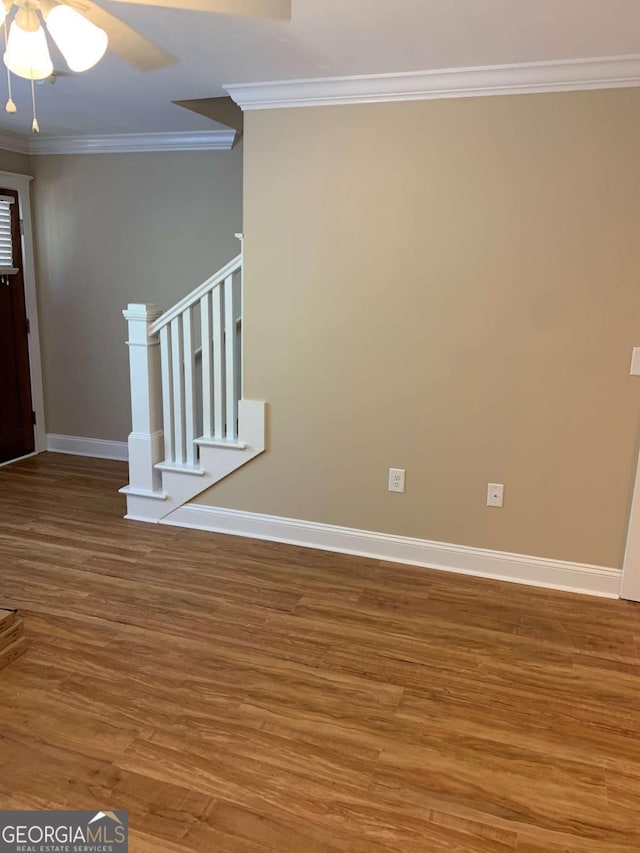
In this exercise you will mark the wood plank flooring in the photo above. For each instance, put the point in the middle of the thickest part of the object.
(237, 696)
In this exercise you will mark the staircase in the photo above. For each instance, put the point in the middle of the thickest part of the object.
(190, 425)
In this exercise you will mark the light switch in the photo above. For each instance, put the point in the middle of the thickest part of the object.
(635, 362)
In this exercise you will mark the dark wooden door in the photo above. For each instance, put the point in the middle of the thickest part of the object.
(16, 416)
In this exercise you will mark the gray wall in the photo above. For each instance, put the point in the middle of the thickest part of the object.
(113, 229)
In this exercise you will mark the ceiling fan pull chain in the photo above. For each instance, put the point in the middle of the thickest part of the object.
(10, 107)
(35, 127)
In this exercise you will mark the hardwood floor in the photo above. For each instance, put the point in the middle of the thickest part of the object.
(236, 695)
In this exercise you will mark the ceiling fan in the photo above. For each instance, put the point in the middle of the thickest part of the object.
(82, 30)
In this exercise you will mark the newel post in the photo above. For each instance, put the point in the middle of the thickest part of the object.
(146, 446)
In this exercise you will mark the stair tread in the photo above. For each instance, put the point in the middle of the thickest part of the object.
(143, 493)
(179, 468)
(231, 444)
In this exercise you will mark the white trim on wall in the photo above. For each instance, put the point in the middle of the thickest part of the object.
(551, 76)
(630, 587)
(480, 562)
(21, 184)
(559, 76)
(96, 447)
(121, 143)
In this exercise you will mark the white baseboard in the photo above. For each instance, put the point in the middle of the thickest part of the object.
(97, 447)
(499, 565)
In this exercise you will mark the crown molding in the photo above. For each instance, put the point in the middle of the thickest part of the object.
(121, 143)
(558, 76)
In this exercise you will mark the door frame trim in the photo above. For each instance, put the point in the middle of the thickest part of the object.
(22, 185)
(630, 587)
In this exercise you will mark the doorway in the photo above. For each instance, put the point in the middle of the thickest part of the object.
(16, 410)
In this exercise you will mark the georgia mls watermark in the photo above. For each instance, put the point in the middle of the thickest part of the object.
(63, 832)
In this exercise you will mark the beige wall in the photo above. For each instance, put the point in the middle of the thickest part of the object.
(113, 229)
(450, 287)
(11, 161)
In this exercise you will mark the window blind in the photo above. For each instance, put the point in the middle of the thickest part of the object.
(6, 242)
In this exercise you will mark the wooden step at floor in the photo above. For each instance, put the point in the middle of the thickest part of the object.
(12, 643)
(7, 618)
(13, 633)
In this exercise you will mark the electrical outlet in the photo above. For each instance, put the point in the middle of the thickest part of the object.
(396, 479)
(495, 494)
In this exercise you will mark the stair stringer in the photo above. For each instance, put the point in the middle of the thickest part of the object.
(216, 463)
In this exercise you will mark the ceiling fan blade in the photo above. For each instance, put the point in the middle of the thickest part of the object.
(124, 40)
(278, 9)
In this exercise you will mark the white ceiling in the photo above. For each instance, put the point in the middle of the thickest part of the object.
(325, 38)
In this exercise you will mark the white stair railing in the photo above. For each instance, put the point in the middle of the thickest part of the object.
(205, 324)
(199, 401)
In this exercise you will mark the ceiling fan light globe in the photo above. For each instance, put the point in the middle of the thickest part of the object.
(27, 54)
(81, 43)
